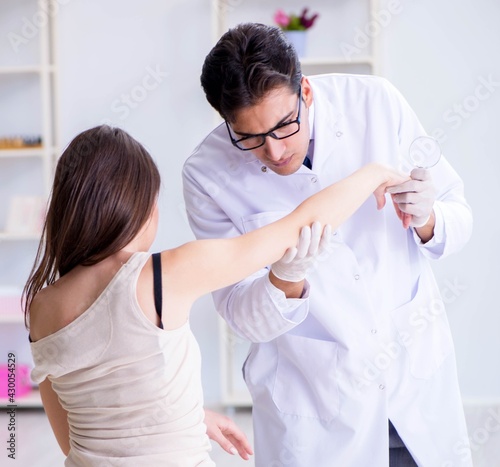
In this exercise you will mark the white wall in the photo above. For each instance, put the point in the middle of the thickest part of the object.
(439, 54)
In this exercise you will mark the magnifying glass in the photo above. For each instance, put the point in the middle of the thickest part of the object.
(425, 152)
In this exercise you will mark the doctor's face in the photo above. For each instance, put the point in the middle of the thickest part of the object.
(279, 107)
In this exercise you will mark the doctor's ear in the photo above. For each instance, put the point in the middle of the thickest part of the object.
(307, 92)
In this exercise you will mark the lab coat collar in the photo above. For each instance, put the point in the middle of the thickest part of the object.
(311, 121)
(327, 127)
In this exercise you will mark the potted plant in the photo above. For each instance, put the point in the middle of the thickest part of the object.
(295, 27)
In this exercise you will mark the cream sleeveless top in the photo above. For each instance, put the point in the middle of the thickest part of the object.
(132, 390)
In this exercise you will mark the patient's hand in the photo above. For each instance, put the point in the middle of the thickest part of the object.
(225, 432)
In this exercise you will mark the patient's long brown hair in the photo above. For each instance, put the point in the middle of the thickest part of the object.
(104, 190)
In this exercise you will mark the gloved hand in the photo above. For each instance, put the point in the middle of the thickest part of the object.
(415, 197)
(297, 261)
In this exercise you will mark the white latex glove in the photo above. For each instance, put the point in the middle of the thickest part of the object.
(415, 197)
(297, 261)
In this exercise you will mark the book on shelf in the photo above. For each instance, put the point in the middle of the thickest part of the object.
(20, 142)
(25, 215)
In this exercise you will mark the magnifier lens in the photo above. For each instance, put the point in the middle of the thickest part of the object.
(425, 152)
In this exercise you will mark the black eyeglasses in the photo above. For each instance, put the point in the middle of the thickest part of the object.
(281, 131)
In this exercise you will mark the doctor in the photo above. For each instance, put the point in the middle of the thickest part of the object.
(352, 361)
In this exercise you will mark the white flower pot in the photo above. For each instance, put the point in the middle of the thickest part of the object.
(299, 40)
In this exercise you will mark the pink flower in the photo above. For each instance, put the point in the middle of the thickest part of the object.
(281, 18)
(293, 22)
(307, 22)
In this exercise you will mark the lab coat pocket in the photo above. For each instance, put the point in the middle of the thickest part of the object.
(255, 221)
(423, 329)
(306, 378)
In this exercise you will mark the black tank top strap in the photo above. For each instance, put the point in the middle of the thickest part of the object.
(157, 284)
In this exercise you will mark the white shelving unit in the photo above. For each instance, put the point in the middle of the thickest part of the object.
(338, 28)
(28, 92)
(343, 39)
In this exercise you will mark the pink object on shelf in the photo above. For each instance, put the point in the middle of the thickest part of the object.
(10, 304)
(21, 383)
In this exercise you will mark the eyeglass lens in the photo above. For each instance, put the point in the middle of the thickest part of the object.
(279, 133)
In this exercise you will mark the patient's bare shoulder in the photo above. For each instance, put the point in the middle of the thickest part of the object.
(58, 304)
(45, 316)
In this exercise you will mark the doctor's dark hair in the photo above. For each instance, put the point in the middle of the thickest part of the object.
(104, 191)
(248, 62)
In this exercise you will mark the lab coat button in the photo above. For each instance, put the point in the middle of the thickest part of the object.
(374, 331)
(356, 277)
(263, 168)
(314, 179)
(339, 134)
(381, 387)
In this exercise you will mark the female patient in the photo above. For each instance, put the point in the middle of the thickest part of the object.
(119, 380)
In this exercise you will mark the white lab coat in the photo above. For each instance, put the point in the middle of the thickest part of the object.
(370, 340)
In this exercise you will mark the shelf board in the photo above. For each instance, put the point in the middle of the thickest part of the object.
(11, 318)
(30, 69)
(28, 401)
(235, 401)
(481, 402)
(10, 70)
(22, 152)
(5, 236)
(336, 61)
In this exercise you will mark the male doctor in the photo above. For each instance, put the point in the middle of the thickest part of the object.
(352, 362)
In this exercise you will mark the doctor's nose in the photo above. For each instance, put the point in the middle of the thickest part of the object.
(274, 148)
